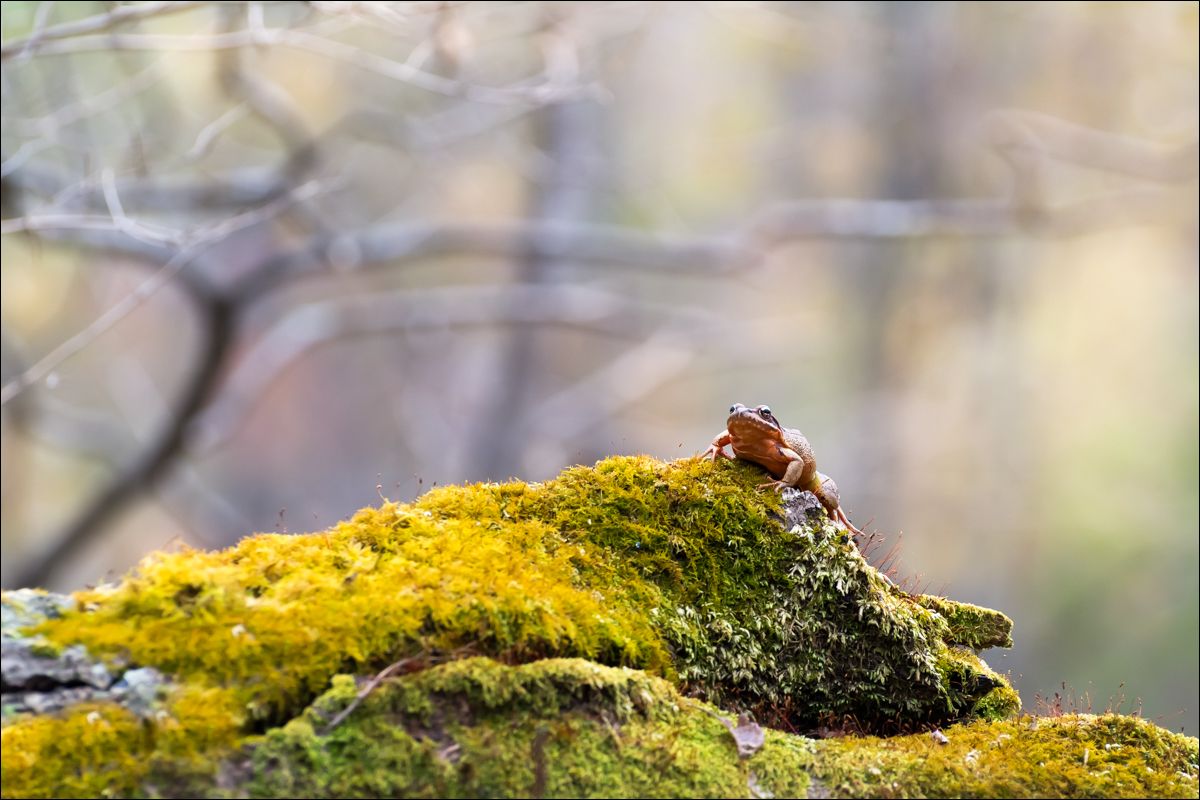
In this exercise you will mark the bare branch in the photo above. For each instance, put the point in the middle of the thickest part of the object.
(151, 234)
(365, 692)
(332, 49)
(41, 17)
(165, 274)
(637, 372)
(397, 243)
(1051, 137)
(668, 353)
(84, 107)
(266, 100)
(236, 189)
(100, 22)
(388, 671)
(210, 132)
(216, 337)
(317, 324)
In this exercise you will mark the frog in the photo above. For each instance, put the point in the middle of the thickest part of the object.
(755, 435)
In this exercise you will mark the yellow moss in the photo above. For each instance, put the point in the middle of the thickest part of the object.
(104, 750)
(276, 616)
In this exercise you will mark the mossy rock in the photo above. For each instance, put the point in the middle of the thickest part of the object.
(681, 572)
(572, 728)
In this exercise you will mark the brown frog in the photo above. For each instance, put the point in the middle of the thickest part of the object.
(757, 436)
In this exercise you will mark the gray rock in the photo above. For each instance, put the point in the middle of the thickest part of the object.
(27, 665)
(48, 702)
(800, 507)
(38, 677)
(139, 688)
(25, 607)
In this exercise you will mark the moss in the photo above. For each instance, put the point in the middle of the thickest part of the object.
(679, 568)
(571, 728)
(971, 626)
(1071, 756)
(682, 570)
(966, 676)
(276, 616)
(105, 750)
(781, 768)
(559, 727)
(1000, 703)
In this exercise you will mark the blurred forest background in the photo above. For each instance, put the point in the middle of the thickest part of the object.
(260, 259)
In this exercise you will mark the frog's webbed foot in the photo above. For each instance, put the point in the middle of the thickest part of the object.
(717, 448)
(778, 486)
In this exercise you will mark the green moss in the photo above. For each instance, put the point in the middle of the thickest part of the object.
(966, 676)
(1071, 756)
(1000, 703)
(570, 728)
(558, 728)
(971, 626)
(780, 768)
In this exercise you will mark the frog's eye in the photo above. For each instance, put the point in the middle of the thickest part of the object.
(765, 411)
(733, 408)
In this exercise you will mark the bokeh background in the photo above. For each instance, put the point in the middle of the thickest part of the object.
(264, 263)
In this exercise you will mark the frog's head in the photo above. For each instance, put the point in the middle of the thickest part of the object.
(753, 423)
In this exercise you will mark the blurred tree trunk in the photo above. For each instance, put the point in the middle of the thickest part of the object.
(567, 145)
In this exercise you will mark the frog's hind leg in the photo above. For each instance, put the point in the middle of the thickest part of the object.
(840, 516)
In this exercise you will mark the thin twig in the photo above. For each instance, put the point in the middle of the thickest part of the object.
(366, 691)
(151, 234)
(387, 672)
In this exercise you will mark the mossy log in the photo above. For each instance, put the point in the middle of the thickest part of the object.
(598, 634)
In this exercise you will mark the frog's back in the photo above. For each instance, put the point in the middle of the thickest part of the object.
(796, 441)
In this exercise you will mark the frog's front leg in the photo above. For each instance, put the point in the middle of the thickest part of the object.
(717, 448)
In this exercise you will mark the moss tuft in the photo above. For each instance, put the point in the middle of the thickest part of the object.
(971, 626)
(274, 617)
(570, 728)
